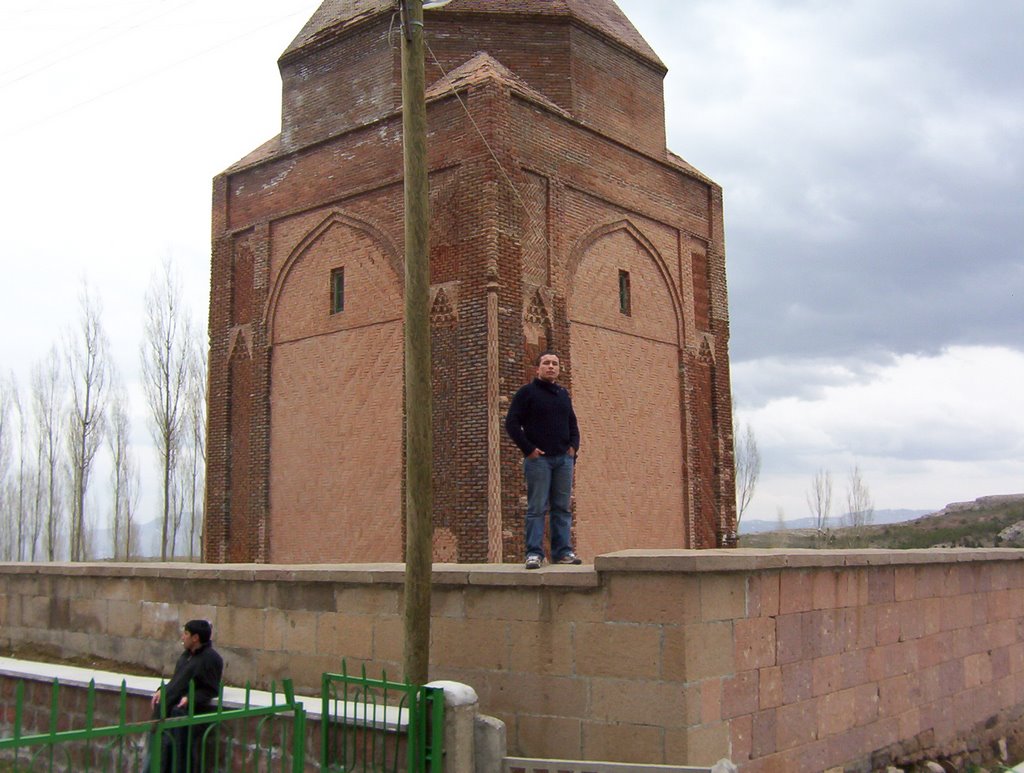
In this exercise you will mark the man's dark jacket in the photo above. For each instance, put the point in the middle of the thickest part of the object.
(541, 416)
(204, 667)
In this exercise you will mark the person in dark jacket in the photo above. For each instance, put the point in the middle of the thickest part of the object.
(201, 666)
(543, 424)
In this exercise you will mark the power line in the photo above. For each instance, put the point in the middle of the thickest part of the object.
(83, 49)
(147, 76)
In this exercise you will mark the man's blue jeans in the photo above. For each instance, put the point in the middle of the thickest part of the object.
(548, 483)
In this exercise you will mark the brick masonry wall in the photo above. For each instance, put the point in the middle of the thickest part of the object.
(306, 432)
(781, 661)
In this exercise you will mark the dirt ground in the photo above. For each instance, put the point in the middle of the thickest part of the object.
(46, 655)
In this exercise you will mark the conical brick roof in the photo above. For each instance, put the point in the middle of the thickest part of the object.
(604, 16)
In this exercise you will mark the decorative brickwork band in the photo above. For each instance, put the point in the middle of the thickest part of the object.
(494, 422)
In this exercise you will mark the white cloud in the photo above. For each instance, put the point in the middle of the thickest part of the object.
(924, 429)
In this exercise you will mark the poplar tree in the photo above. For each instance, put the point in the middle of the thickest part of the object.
(165, 376)
(47, 403)
(819, 502)
(88, 366)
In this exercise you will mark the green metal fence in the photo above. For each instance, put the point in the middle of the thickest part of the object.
(252, 738)
(380, 726)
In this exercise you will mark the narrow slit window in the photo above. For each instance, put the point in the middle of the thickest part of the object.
(337, 290)
(625, 302)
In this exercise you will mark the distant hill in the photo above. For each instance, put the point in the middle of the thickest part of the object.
(990, 521)
(755, 526)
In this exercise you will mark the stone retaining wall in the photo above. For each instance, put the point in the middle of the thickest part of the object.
(778, 660)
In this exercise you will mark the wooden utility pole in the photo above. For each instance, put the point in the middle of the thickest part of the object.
(418, 397)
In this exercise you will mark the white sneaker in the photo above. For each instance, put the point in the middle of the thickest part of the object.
(533, 561)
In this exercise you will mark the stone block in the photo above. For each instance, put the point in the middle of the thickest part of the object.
(764, 734)
(291, 631)
(887, 624)
(637, 702)
(836, 712)
(160, 620)
(622, 743)
(709, 694)
(904, 583)
(723, 597)
(707, 744)
(470, 643)
(515, 604)
(242, 627)
(796, 591)
(672, 599)
(543, 647)
(388, 638)
(881, 585)
(821, 632)
(583, 605)
(826, 675)
(308, 597)
(537, 694)
(740, 694)
(700, 651)
(796, 724)
(755, 643)
(769, 688)
(865, 704)
(369, 599)
(344, 636)
(977, 670)
(549, 737)
(741, 731)
(797, 681)
(603, 650)
(789, 639)
(763, 594)
(123, 618)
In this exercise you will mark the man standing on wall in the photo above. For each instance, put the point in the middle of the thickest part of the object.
(542, 423)
(201, 666)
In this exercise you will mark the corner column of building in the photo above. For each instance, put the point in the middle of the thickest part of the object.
(215, 527)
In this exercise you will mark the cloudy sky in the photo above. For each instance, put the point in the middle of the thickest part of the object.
(871, 153)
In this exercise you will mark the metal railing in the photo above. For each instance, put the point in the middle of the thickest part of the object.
(376, 725)
(251, 738)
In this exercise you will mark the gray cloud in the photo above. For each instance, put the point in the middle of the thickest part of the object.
(871, 155)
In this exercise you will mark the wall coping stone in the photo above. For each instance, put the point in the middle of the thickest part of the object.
(751, 559)
(586, 576)
(352, 574)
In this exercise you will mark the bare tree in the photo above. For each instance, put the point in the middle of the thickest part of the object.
(819, 501)
(23, 483)
(165, 376)
(195, 420)
(123, 476)
(781, 537)
(47, 401)
(747, 458)
(179, 499)
(8, 514)
(860, 508)
(88, 365)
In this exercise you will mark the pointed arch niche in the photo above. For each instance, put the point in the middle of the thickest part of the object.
(336, 398)
(626, 391)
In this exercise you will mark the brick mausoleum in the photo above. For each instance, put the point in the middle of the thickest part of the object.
(558, 219)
